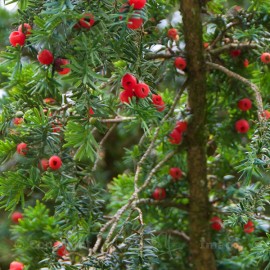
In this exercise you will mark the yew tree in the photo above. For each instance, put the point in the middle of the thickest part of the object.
(134, 134)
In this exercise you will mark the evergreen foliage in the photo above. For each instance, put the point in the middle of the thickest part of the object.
(100, 202)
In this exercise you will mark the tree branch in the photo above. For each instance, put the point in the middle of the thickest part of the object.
(116, 119)
(174, 233)
(113, 222)
(101, 145)
(222, 33)
(161, 56)
(232, 46)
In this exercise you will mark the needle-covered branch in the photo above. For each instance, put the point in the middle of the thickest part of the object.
(114, 221)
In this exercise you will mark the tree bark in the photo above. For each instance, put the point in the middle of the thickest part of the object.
(202, 257)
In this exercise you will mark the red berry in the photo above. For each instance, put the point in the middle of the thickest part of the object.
(235, 53)
(90, 111)
(44, 164)
(249, 227)
(55, 163)
(175, 137)
(22, 149)
(17, 121)
(49, 100)
(16, 266)
(59, 63)
(159, 194)
(244, 104)
(157, 99)
(16, 216)
(181, 126)
(158, 102)
(205, 45)
(180, 63)
(265, 58)
(137, 4)
(134, 23)
(60, 249)
(176, 173)
(141, 90)
(45, 57)
(128, 82)
(17, 38)
(246, 63)
(172, 34)
(56, 126)
(125, 96)
(216, 223)
(160, 107)
(77, 26)
(266, 114)
(25, 29)
(87, 21)
(242, 126)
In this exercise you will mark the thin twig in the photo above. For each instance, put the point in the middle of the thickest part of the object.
(101, 145)
(222, 33)
(140, 217)
(140, 214)
(120, 231)
(232, 46)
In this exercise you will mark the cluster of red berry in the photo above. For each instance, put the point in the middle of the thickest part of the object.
(46, 57)
(135, 21)
(265, 57)
(19, 37)
(133, 88)
(54, 162)
(217, 225)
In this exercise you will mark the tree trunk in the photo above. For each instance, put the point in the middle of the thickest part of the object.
(202, 257)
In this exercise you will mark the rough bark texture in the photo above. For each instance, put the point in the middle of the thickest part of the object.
(202, 257)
